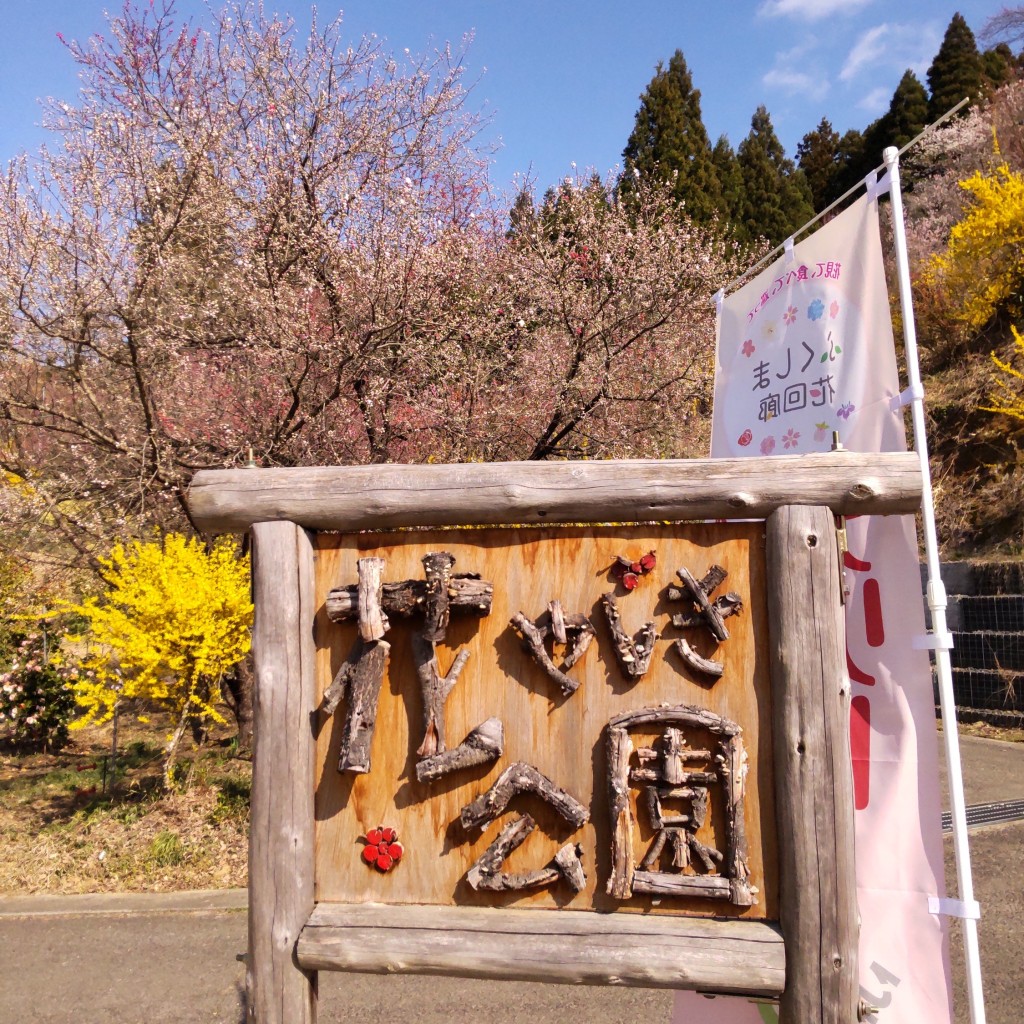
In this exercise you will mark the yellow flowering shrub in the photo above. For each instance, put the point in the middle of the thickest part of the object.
(172, 621)
(982, 269)
(1009, 399)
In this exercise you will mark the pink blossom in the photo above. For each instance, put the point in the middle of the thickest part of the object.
(833, 310)
(790, 438)
(748, 348)
(768, 445)
(790, 315)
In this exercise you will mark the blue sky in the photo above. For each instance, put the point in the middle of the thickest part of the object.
(563, 80)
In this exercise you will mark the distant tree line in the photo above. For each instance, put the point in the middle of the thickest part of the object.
(756, 190)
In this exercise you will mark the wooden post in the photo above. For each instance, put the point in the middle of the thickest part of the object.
(814, 777)
(281, 816)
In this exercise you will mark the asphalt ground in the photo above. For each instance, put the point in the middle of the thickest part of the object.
(171, 959)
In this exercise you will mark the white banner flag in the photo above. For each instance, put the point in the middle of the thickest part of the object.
(806, 349)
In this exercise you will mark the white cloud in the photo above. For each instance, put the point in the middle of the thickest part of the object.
(892, 48)
(869, 49)
(795, 71)
(811, 10)
(792, 81)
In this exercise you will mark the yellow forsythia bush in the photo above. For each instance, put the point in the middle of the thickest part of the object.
(1009, 399)
(982, 269)
(170, 624)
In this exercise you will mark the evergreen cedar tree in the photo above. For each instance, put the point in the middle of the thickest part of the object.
(776, 197)
(817, 155)
(669, 140)
(956, 71)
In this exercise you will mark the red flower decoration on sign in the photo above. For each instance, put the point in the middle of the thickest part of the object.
(382, 850)
(628, 572)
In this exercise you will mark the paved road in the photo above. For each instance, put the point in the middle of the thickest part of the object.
(180, 968)
(130, 960)
(993, 771)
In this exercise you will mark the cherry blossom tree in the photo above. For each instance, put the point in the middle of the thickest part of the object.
(230, 241)
(610, 323)
(241, 239)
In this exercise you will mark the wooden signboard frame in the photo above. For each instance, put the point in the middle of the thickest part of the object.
(807, 959)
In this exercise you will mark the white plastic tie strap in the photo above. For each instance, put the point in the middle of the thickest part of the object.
(787, 248)
(933, 642)
(945, 906)
(915, 393)
(876, 188)
(718, 298)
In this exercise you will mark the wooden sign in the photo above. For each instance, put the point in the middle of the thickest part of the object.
(612, 755)
(563, 735)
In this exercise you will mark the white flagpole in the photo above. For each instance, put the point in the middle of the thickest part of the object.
(936, 593)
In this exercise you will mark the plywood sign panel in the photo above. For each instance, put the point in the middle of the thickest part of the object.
(563, 736)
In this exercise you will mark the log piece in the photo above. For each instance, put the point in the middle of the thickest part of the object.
(506, 880)
(643, 775)
(726, 605)
(637, 490)
(435, 689)
(569, 947)
(675, 754)
(557, 622)
(694, 661)
(364, 678)
(580, 634)
(734, 777)
(680, 849)
(684, 793)
(437, 567)
(672, 764)
(633, 653)
(485, 743)
(620, 881)
(373, 623)
(669, 883)
(467, 592)
(699, 778)
(486, 873)
(814, 780)
(569, 861)
(521, 778)
(533, 641)
(650, 860)
(711, 580)
(707, 887)
(700, 807)
(676, 714)
(708, 855)
(576, 630)
(282, 837)
(654, 807)
(511, 837)
(695, 591)
(336, 691)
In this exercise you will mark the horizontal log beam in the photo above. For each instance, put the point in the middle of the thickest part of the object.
(380, 497)
(563, 946)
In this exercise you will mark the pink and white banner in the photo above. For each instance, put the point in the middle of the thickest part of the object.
(805, 349)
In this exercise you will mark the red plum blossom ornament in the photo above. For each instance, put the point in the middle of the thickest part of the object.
(628, 571)
(382, 850)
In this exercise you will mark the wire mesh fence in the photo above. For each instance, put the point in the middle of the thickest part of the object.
(986, 616)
